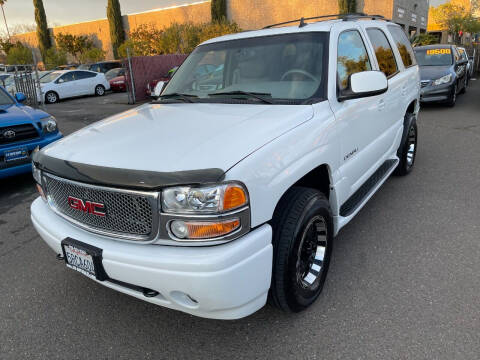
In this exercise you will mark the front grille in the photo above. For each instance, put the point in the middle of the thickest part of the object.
(17, 133)
(129, 215)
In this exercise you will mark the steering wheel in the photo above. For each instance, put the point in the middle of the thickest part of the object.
(298, 71)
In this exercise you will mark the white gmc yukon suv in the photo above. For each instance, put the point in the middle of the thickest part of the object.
(230, 189)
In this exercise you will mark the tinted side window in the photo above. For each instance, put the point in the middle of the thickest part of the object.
(67, 77)
(383, 52)
(80, 75)
(352, 57)
(96, 68)
(403, 45)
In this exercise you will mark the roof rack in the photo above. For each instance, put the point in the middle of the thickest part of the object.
(345, 17)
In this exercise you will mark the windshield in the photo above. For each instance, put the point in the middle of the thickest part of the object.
(5, 99)
(434, 57)
(288, 67)
(50, 77)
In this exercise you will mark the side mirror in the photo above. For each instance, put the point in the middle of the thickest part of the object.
(159, 88)
(364, 84)
(20, 97)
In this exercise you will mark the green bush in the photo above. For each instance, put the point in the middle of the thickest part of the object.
(92, 55)
(54, 58)
(19, 55)
(175, 39)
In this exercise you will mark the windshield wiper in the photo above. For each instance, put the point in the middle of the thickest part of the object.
(184, 97)
(256, 95)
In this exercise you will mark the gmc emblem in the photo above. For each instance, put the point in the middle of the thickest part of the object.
(89, 207)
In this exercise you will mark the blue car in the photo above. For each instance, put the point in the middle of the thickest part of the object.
(22, 129)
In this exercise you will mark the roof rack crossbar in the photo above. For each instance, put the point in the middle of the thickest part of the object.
(345, 17)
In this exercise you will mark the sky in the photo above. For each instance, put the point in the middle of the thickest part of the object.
(63, 12)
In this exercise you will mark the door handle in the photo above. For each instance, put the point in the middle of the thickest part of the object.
(381, 105)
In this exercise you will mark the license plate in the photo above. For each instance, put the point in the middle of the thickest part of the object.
(15, 155)
(83, 258)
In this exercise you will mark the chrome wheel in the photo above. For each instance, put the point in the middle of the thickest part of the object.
(411, 146)
(100, 91)
(51, 97)
(311, 253)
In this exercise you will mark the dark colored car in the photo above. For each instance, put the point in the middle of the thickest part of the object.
(443, 73)
(102, 66)
(22, 130)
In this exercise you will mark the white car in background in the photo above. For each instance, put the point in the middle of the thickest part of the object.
(71, 83)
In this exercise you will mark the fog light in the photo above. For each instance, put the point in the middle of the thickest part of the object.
(179, 229)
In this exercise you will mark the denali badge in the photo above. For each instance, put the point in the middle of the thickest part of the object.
(87, 206)
(9, 134)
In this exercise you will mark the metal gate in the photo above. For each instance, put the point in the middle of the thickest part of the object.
(26, 81)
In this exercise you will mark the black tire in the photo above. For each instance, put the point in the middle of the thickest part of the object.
(51, 97)
(407, 152)
(99, 90)
(453, 97)
(302, 230)
(465, 84)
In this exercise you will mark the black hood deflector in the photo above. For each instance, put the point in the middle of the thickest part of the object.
(124, 178)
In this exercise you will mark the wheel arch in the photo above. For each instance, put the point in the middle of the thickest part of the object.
(318, 178)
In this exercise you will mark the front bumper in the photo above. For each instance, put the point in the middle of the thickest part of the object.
(436, 93)
(228, 281)
(23, 166)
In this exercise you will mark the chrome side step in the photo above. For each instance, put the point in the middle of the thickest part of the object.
(349, 207)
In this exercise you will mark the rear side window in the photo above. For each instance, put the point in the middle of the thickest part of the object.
(81, 75)
(403, 45)
(383, 52)
(352, 57)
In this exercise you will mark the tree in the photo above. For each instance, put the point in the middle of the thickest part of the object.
(424, 39)
(54, 58)
(92, 55)
(2, 2)
(456, 17)
(176, 39)
(117, 34)
(347, 6)
(19, 55)
(43, 35)
(219, 10)
(73, 44)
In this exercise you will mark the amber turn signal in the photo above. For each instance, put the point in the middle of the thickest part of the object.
(193, 230)
(234, 197)
(211, 230)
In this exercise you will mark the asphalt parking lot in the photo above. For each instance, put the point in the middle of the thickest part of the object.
(403, 284)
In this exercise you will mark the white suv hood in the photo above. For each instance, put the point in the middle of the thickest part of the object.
(179, 137)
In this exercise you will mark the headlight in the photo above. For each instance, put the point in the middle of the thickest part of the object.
(50, 124)
(206, 213)
(37, 176)
(213, 199)
(443, 80)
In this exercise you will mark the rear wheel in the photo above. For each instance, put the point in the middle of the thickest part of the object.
(99, 90)
(408, 150)
(51, 97)
(302, 246)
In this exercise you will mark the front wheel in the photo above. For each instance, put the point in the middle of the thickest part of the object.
(51, 97)
(408, 150)
(453, 97)
(302, 248)
(99, 90)
(465, 84)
